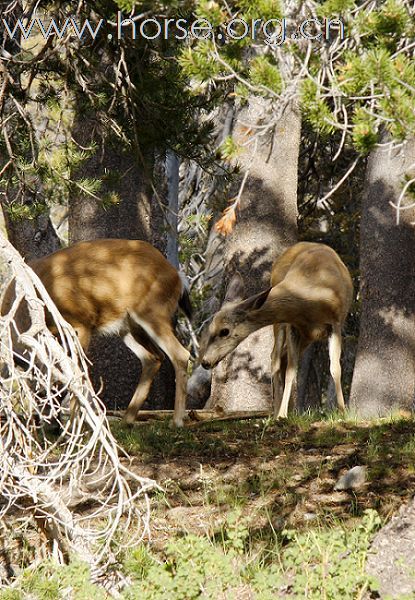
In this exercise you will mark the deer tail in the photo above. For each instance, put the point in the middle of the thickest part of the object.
(184, 300)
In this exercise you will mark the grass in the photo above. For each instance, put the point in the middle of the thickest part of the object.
(289, 466)
(161, 439)
(249, 511)
(280, 477)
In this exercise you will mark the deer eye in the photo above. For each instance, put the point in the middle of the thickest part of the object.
(224, 332)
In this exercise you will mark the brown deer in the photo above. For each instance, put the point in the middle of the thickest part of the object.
(122, 287)
(309, 300)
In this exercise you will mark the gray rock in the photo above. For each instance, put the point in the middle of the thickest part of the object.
(391, 560)
(309, 516)
(198, 388)
(353, 479)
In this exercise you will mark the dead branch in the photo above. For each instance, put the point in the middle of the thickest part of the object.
(49, 473)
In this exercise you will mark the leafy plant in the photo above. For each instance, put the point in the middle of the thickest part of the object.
(50, 581)
(192, 564)
(330, 564)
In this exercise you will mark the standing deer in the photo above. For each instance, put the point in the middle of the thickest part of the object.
(122, 287)
(309, 300)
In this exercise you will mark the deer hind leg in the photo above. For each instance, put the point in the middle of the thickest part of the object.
(179, 358)
(150, 357)
(335, 348)
(293, 354)
(277, 369)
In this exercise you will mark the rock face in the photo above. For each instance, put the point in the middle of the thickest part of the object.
(392, 557)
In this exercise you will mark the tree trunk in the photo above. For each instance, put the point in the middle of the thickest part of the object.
(384, 374)
(32, 238)
(266, 225)
(309, 386)
(172, 176)
(88, 217)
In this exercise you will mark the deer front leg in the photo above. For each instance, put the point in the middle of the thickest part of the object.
(276, 376)
(293, 353)
(335, 348)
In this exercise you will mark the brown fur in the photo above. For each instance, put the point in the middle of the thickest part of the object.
(309, 300)
(117, 286)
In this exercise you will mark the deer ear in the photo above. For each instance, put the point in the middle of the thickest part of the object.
(254, 302)
(235, 289)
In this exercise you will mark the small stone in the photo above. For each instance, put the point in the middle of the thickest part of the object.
(309, 516)
(353, 479)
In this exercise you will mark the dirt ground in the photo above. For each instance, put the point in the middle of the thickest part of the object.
(282, 474)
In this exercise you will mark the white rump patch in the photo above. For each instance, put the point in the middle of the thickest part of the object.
(112, 328)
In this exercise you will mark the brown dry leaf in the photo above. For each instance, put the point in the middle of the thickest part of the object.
(245, 131)
(227, 221)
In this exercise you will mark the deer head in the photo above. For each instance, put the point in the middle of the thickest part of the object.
(232, 324)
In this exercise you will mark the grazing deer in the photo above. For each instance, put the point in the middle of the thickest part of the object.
(309, 300)
(122, 287)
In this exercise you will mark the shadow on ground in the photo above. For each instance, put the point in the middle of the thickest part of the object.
(281, 474)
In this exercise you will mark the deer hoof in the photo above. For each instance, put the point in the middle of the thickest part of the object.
(281, 416)
(177, 421)
(128, 419)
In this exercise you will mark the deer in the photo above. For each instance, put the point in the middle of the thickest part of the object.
(118, 287)
(309, 298)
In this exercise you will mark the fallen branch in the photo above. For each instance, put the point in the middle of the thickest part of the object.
(192, 416)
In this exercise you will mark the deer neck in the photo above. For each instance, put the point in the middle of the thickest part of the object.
(280, 307)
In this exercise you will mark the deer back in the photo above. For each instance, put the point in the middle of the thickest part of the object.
(314, 272)
(97, 283)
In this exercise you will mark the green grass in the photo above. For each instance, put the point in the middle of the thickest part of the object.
(50, 581)
(325, 563)
(161, 440)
